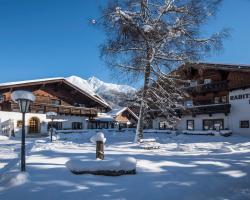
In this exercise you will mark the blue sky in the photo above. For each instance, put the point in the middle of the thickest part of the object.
(52, 38)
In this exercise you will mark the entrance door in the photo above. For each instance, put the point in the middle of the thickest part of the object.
(34, 125)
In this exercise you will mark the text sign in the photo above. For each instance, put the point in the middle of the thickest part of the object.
(240, 96)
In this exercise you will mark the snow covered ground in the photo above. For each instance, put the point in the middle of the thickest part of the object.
(185, 167)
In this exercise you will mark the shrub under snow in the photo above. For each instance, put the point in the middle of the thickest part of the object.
(125, 165)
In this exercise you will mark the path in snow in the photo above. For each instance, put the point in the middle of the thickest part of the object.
(185, 167)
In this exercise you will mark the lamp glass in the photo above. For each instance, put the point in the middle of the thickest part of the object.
(24, 105)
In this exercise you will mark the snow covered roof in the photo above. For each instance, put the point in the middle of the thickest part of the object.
(30, 81)
(221, 66)
(104, 117)
(115, 112)
(111, 115)
(84, 90)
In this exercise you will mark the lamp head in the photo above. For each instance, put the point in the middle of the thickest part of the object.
(23, 98)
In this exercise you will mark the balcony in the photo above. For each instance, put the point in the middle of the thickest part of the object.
(210, 87)
(62, 110)
(207, 109)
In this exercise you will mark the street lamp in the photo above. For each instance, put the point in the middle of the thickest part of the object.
(52, 116)
(23, 98)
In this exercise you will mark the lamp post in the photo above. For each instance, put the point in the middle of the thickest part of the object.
(52, 116)
(23, 98)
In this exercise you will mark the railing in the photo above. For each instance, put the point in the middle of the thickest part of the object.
(63, 110)
(7, 127)
(207, 109)
(210, 87)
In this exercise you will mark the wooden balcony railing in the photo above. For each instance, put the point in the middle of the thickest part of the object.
(211, 87)
(207, 109)
(63, 110)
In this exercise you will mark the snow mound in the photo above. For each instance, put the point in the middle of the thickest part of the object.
(99, 137)
(2, 137)
(122, 164)
(10, 180)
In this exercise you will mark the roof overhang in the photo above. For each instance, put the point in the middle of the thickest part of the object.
(12, 86)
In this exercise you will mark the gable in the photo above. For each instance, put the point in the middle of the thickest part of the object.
(56, 88)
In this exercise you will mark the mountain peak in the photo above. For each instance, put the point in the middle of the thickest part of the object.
(114, 94)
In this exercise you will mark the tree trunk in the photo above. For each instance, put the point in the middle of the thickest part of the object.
(140, 124)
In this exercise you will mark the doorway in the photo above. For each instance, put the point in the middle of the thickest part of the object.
(34, 125)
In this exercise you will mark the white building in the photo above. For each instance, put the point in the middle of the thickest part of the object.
(218, 99)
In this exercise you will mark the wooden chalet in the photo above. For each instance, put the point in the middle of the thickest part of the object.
(208, 85)
(217, 97)
(116, 118)
(54, 95)
(73, 106)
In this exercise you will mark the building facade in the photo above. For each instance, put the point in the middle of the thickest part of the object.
(117, 118)
(217, 98)
(74, 107)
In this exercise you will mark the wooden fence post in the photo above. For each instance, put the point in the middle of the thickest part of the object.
(100, 150)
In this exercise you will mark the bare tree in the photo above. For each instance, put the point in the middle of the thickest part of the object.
(150, 38)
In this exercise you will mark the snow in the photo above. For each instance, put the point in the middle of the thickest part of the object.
(2, 137)
(147, 28)
(100, 89)
(185, 167)
(10, 180)
(20, 94)
(99, 85)
(51, 114)
(116, 111)
(208, 132)
(30, 81)
(93, 86)
(124, 163)
(105, 117)
(99, 137)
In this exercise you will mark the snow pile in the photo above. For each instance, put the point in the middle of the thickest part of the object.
(122, 164)
(10, 180)
(160, 131)
(2, 137)
(99, 137)
(208, 132)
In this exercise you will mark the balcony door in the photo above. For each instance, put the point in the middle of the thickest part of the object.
(34, 125)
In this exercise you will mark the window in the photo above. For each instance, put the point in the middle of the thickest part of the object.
(190, 125)
(224, 99)
(19, 124)
(55, 102)
(193, 83)
(163, 125)
(207, 125)
(2, 98)
(244, 124)
(56, 125)
(207, 81)
(188, 103)
(216, 99)
(213, 124)
(76, 125)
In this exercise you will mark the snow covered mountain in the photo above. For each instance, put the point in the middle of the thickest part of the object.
(115, 95)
